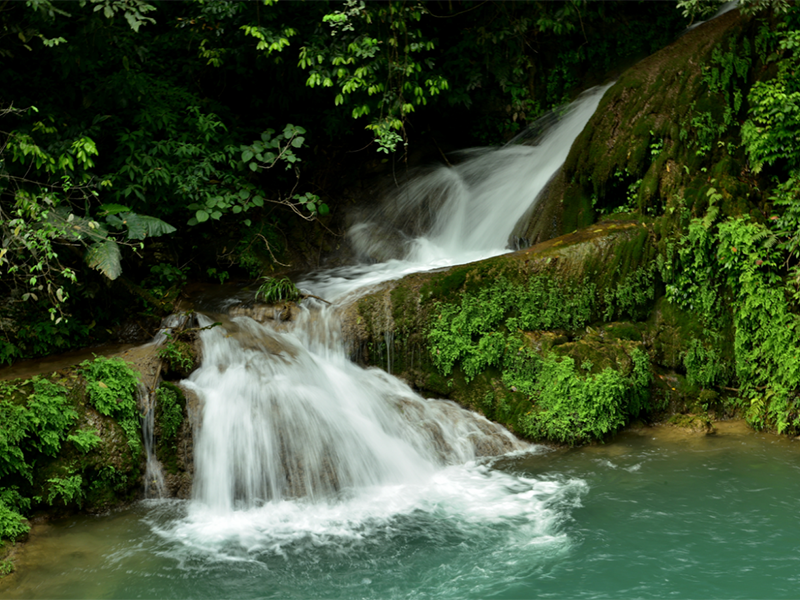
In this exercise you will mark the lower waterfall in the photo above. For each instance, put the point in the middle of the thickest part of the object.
(283, 419)
(300, 450)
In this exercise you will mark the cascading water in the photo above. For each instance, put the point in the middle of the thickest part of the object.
(460, 214)
(285, 419)
(154, 486)
(301, 449)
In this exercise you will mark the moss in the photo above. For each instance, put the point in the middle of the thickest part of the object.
(170, 417)
(696, 422)
(654, 99)
(445, 287)
(179, 355)
(623, 331)
(594, 353)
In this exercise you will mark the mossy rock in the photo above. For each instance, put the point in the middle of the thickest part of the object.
(89, 462)
(636, 142)
(594, 353)
(699, 423)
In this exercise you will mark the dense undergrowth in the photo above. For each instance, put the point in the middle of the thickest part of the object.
(68, 441)
(487, 330)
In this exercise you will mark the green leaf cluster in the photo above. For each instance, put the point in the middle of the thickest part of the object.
(69, 489)
(37, 418)
(485, 331)
(572, 409)
(34, 424)
(273, 289)
(474, 331)
(112, 389)
(12, 523)
(170, 410)
(741, 258)
(178, 354)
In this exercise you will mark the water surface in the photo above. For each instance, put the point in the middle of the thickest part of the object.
(653, 514)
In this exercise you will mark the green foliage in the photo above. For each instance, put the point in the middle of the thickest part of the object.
(69, 489)
(6, 567)
(85, 439)
(39, 425)
(46, 209)
(112, 388)
(632, 295)
(703, 9)
(717, 110)
(177, 353)
(14, 429)
(170, 409)
(387, 61)
(12, 523)
(704, 366)
(572, 409)
(485, 331)
(36, 419)
(743, 258)
(274, 290)
(51, 415)
(474, 331)
(770, 134)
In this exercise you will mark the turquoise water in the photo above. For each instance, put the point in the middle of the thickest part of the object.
(656, 513)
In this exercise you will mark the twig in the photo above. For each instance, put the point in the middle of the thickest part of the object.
(315, 298)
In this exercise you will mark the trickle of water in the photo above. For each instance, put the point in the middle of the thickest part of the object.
(154, 486)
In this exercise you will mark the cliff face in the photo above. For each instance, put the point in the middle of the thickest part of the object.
(637, 151)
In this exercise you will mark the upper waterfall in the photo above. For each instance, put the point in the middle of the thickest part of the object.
(457, 214)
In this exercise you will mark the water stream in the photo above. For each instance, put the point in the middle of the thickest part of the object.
(453, 215)
(317, 478)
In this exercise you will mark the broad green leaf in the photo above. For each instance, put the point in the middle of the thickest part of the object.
(105, 257)
(258, 201)
(247, 155)
(323, 209)
(142, 226)
(112, 209)
(298, 141)
(253, 166)
(201, 216)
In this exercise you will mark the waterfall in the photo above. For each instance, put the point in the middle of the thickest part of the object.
(287, 415)
(154, 486)
(457, 214)
(299, 448)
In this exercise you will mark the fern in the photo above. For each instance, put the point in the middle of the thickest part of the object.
(111, 387)
(85, 440)
(274, 290)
